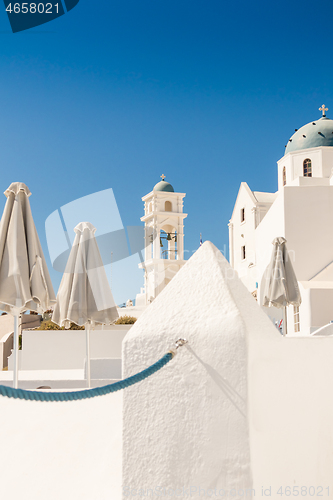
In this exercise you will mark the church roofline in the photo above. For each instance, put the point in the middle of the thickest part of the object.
(302, 151)
(256, 200)
(244, 185)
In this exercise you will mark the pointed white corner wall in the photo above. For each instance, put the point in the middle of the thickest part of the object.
(186, 426)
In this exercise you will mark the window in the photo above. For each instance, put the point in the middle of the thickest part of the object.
(243, 252)
(296, 319)
(307, 168)
(242, 215)
(168, 206)
(284, 176)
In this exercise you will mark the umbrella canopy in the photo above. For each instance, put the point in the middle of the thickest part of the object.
(25, 282)
(281, 287)
(84, 295)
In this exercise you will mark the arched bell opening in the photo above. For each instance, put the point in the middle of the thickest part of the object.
(168, 243)
(168, 206)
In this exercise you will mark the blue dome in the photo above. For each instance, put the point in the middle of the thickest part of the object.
(164, 186)
(312, 135)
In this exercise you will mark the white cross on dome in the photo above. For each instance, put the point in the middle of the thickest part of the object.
(323, 109)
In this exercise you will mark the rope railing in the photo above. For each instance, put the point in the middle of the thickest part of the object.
(27, 395)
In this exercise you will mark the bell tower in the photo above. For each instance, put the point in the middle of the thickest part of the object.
(164, 239)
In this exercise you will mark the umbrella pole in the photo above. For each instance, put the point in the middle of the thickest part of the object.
(285, 321)
(88, 353)
(16, 351)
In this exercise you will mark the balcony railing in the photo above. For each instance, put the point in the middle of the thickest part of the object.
(169, 254)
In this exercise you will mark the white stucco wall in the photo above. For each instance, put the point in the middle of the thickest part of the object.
(291, 410)
(326, 330)
(321, 160)
(286, 162)
(104, 368)
(290, 382)
(66, 349)
(188, 423)
(301, 214)
(310, 181)
(320, 305)
(272, 226)
(243, 234)
(61, 451)
(308, 223)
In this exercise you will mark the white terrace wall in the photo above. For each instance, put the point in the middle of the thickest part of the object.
(291, 415)
(66, 349)
(61, 451)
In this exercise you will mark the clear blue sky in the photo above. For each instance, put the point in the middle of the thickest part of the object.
(115, 93)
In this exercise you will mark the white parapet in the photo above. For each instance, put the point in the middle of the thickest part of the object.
(66, 349)
(187, 426)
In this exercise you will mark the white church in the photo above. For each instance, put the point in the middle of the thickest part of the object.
(302, 212)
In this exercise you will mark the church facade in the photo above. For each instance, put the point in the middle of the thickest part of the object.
(302, 212)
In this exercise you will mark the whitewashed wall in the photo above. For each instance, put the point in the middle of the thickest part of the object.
(305, 224)
(61, 451)
(66, 349)
(316, 308)
(290, 382)
(243, 234)
(175, 422)
(291, 414)
(321, 159)
(187, 425)
(307, 229)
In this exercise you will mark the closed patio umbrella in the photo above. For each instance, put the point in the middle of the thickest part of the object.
(24, 278)
(280, 283)
(84, 295)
